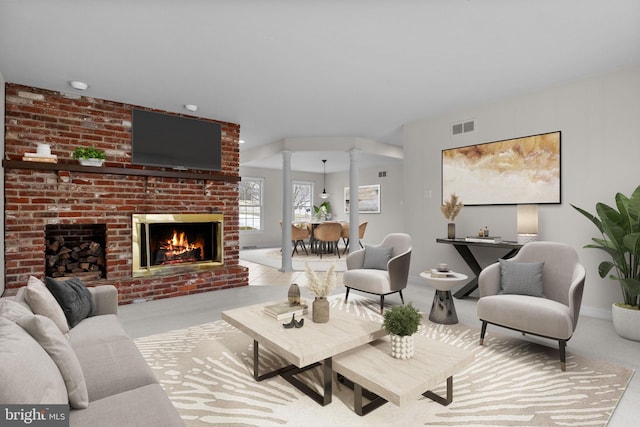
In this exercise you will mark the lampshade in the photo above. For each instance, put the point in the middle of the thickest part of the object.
(527, 223)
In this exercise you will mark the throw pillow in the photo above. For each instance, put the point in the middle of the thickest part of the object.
(28, 373)
(74, 298)
(377, 257)
(12, 310)
(42, 302)
(43, 330)
(521, 278)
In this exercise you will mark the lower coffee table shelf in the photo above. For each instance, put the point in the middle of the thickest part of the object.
(380, 378)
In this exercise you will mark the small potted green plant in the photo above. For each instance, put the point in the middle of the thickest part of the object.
(89, 156)
(401, 322)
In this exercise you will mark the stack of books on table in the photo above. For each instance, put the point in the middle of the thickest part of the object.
(440, 274)
(37, 157)
(283, 310)
(478, 239)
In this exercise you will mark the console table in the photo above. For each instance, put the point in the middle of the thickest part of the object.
(462, 246)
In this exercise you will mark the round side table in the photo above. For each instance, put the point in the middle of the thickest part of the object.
(442, 309)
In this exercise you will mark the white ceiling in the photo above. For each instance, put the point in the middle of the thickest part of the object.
(323, 68)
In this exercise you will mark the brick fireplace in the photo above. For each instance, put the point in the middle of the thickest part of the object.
(62, 198)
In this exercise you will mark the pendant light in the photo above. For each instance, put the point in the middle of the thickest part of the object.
(324, 193)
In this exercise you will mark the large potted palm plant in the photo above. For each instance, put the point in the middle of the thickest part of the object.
(620, 231)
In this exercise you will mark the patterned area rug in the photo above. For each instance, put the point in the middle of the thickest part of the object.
(207, 372)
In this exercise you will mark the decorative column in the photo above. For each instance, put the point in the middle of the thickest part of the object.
(354, 221)
(287, 215)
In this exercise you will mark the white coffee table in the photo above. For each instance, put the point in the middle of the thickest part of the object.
(312, 345)
(442, 309)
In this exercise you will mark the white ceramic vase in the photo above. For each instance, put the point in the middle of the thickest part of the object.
(401, 346)
(626, 322)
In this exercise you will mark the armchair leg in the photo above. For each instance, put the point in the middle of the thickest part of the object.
(401, 297)
(483, 331)
(563, 361)
(381, 303)
(346, 295)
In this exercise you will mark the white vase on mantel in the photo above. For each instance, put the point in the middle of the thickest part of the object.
(401, 346)
(626, 322)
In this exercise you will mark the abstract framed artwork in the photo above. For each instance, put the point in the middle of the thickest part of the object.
(523, 170)
(368, 199)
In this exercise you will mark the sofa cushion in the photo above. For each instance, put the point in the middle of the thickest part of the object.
(74, 298)
(43, 330)
(376, 257)
(34, 378)
(13, 310)
(521, 278)
(110, 360)
(144, 406)
(42, 302)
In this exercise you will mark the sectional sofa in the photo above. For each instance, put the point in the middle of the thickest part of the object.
(53, 352)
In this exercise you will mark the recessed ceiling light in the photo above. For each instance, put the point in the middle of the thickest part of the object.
(191, 107)
(78, 85)
(241, 141)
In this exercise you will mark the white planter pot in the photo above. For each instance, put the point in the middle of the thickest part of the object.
(626, 322)
(91, 162)
(401, 346)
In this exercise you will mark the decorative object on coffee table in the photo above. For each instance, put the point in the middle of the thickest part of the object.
(450, 209)
(320, 289)
(401, 322)
(294, 294)
(89, 156)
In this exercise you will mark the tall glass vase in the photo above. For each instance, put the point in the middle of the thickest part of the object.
(451, 230)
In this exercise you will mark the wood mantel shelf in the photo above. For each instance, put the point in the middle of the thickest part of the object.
(18, 164)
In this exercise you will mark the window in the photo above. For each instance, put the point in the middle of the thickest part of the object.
(302, 201)
(251, 209)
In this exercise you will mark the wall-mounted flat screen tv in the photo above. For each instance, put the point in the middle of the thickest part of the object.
(175, 142)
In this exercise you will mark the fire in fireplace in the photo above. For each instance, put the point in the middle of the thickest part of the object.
(162, 242)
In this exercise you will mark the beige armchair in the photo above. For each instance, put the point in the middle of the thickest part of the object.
(550, 271)
(380, 270)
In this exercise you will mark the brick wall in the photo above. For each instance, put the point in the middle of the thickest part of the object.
(35, 199)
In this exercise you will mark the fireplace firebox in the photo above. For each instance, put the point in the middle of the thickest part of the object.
(164, 243)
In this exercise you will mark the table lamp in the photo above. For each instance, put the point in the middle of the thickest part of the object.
(527, 223)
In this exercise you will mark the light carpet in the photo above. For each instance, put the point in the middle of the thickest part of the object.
(207, 372)
(273, 258)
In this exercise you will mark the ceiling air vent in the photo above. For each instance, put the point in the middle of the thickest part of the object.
(463, 127)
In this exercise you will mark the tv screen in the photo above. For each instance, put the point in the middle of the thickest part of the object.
(176, 142)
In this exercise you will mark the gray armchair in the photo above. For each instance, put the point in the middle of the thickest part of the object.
(381, 269)
(507, 288)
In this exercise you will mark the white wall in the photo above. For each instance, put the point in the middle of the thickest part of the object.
(389, 220)
(600, 122)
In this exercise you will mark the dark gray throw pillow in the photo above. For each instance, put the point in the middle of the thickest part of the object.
(376, 257)
(521, 278)
(74, 298)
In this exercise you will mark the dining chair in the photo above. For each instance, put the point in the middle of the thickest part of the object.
(298, 236)
(327, 236)
(345, 235)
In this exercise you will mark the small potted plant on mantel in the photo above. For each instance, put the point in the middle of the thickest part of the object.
(401, 322)
(89, 156)
(621, 240)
